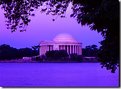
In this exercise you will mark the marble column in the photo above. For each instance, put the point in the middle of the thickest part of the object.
(47, 48)
(69, 48)
(74, 49)
(51, 47)
(78, 50)
(64, 47)
(40, 50)
(59, 47)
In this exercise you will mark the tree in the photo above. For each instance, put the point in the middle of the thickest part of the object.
(56, 54)
(26, 52)
(8, 53)
(90, 50)
(36, 49)
(101, 16)
(76, 58)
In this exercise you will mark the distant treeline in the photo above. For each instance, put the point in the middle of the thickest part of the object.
(90, 51)
(8, 52)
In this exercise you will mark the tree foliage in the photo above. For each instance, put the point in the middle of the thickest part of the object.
(26, 52)
(76, 58)
(56, 54)
(62, 55)
(90, 51)
(100, 15)
(7, 52)
(18, 12)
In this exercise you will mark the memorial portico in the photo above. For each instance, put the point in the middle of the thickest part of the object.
(61, 42)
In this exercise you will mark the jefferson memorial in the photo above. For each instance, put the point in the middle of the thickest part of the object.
(61, 42)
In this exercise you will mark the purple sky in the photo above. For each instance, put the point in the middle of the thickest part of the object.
(42, 27)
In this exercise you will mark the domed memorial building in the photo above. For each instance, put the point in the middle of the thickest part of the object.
(61, 42)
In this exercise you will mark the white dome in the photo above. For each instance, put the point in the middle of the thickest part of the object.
(64, 38)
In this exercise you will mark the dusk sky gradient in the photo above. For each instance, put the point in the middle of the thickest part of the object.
(42, 27)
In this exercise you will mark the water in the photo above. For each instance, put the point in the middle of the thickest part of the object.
(56, 75)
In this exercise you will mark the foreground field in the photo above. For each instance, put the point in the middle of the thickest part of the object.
(56, 75)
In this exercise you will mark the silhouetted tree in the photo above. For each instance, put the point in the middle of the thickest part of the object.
(76, 58)
(36, 49)
(26, 52)
(101, 16)
(7, 52)
(91, 50)
(56, 54)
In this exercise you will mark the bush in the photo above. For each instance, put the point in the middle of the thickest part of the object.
(75, 57)
(56, 55)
